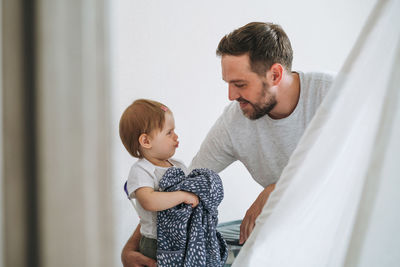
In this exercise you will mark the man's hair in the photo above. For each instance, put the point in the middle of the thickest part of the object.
(143, 116)
(265, 43)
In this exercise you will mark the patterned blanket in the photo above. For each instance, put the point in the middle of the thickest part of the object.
(187, 236)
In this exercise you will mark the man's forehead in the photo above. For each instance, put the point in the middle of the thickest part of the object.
(235, 68)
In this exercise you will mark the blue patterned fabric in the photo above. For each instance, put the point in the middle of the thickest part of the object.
(187, 236)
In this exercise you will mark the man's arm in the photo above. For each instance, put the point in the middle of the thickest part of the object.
(131, 257)
(252, 213)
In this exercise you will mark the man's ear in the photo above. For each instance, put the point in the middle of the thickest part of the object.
(275, 73)
(144, 141)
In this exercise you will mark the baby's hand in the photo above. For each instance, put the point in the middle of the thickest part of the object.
(191, 199)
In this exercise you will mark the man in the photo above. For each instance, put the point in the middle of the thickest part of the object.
(271, 108)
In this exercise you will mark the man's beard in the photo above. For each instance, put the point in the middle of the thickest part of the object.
(260, 109)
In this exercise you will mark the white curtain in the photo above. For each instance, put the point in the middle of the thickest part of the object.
(336, 203)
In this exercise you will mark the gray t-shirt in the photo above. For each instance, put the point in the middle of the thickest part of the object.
(263, 145)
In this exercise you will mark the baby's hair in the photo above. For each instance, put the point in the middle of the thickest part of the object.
(143, 116)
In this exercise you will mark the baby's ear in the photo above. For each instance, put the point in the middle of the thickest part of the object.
(144, 141)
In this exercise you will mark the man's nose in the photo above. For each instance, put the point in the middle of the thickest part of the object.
(232, 92)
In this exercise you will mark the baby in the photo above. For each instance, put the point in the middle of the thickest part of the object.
(147, 130)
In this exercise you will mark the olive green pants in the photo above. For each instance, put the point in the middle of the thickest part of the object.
(148, 247)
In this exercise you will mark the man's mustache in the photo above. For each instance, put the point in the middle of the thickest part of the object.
(240, 99)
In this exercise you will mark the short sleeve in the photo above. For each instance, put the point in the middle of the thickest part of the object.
(138, 177)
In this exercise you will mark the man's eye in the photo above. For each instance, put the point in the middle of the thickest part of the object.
(240, 85)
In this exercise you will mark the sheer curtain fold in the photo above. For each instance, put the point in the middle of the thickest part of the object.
(74, 139)
(315, 214)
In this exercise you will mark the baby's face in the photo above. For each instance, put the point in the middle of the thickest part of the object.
(165, 142)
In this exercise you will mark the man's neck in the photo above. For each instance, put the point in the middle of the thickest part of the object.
(287, 96)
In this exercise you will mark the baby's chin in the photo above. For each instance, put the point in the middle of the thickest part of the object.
(171, 155)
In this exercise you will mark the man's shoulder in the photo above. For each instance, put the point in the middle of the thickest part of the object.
(316, 84)
(312, 77)
(314, 87)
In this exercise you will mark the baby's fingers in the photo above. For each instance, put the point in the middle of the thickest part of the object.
(195, 201)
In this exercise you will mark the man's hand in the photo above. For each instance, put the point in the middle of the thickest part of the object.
(136, 259)
(252, 213)
(131, 257)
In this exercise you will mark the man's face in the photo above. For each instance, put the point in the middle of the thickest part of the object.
(255, 97)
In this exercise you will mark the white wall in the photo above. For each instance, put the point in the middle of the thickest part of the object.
(165, 50)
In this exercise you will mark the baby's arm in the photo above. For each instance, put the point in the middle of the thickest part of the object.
(156, 201)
